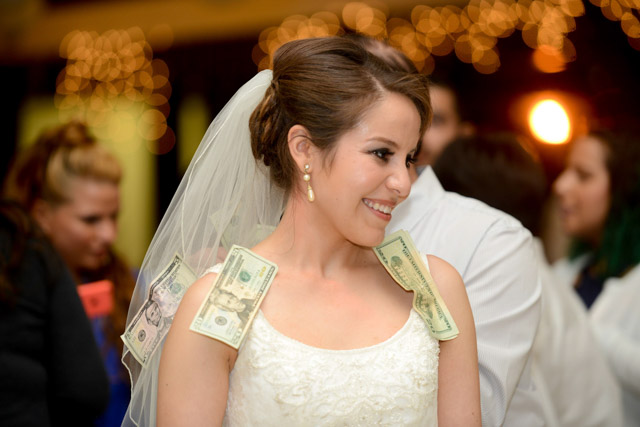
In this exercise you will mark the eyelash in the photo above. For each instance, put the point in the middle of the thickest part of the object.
(384, 154)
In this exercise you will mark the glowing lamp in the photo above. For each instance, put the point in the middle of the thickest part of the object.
(549, 122)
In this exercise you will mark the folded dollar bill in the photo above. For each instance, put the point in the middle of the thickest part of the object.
(151, 323)
(235, 297)
(404, 263)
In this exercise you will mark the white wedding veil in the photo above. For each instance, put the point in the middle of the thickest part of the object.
(225, 197)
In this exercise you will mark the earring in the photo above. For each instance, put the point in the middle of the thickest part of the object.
(310, 196)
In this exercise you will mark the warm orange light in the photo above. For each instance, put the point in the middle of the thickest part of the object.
(548, 59)
(549, 122)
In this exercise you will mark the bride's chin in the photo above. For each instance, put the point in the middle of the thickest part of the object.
(369, 241)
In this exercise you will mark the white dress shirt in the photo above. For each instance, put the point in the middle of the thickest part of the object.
(495, 256)
(581, 390)
(615, 319)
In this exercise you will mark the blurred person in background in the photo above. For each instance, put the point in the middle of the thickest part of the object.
(599, 200)
(70, 185)
(51, 372)
(495, 256)
(503, 171)
(447, 124)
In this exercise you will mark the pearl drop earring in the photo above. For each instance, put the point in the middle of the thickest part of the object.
(310, 196)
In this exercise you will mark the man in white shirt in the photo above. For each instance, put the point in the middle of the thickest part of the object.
(496, 259)
(575, 381)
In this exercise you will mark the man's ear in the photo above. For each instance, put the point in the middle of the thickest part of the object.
(42, 212)
(300, 145)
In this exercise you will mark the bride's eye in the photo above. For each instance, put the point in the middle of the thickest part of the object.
(382, 153)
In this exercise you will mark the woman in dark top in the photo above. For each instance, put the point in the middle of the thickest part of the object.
(70, 185)
(51, 372)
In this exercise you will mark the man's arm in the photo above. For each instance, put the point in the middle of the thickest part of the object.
(504, 291)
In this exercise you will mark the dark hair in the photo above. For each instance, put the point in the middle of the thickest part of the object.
(18, 233)
(619, 248)
(498, 170)
(60, 154)
(326, 85)
(447, 84)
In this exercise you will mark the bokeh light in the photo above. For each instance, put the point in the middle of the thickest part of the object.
(549, 59)
(549, 122)
(471, 32)
(112, 82)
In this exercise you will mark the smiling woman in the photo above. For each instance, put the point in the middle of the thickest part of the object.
(84, 228)
(70, 186)
(335, 339)
(599, 194)
(373, 158)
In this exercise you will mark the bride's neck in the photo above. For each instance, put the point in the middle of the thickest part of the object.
(307, 239)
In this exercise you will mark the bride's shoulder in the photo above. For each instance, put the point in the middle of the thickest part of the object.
(454, 294)
(199, 290)
(446, 277)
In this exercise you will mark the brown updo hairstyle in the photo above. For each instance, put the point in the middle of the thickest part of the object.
(326, 85)
(45, 171)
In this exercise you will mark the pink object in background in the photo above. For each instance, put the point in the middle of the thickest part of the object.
(97, 298)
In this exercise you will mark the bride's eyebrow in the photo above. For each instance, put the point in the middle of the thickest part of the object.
(387, 141)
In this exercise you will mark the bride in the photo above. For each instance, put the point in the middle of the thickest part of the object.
(335, 341)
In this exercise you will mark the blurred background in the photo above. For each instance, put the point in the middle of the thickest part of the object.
(148, 76)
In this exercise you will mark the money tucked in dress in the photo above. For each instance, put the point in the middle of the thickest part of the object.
(278, 381)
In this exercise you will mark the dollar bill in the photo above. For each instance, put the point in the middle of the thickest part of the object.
(402, 260)
(151, 323)
(235, 297)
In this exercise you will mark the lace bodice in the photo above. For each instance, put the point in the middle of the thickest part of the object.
(278, 381)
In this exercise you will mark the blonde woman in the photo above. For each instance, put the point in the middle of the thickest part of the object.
(70, 185)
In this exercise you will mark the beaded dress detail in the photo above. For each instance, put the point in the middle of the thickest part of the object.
(279, 381)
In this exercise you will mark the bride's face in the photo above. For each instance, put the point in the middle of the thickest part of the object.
(366, 175)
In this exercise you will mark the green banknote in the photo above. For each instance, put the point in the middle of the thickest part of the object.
(234, 299)
(402, 260)
(151, 323)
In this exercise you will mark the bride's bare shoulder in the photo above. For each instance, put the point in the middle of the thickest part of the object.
(447, 279)
(197, 292)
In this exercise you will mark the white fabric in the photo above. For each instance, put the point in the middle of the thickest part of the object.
(615, 319)
(278, 381)
(495, 256)
(581, 390)
(225, 198)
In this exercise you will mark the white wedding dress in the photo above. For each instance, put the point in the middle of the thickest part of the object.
(278, 381)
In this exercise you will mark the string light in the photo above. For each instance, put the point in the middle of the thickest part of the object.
(471, 33)
(112, 82)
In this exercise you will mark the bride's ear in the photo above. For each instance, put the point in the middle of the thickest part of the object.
(300, 146)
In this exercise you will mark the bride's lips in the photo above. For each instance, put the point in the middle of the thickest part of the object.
(380, 208)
